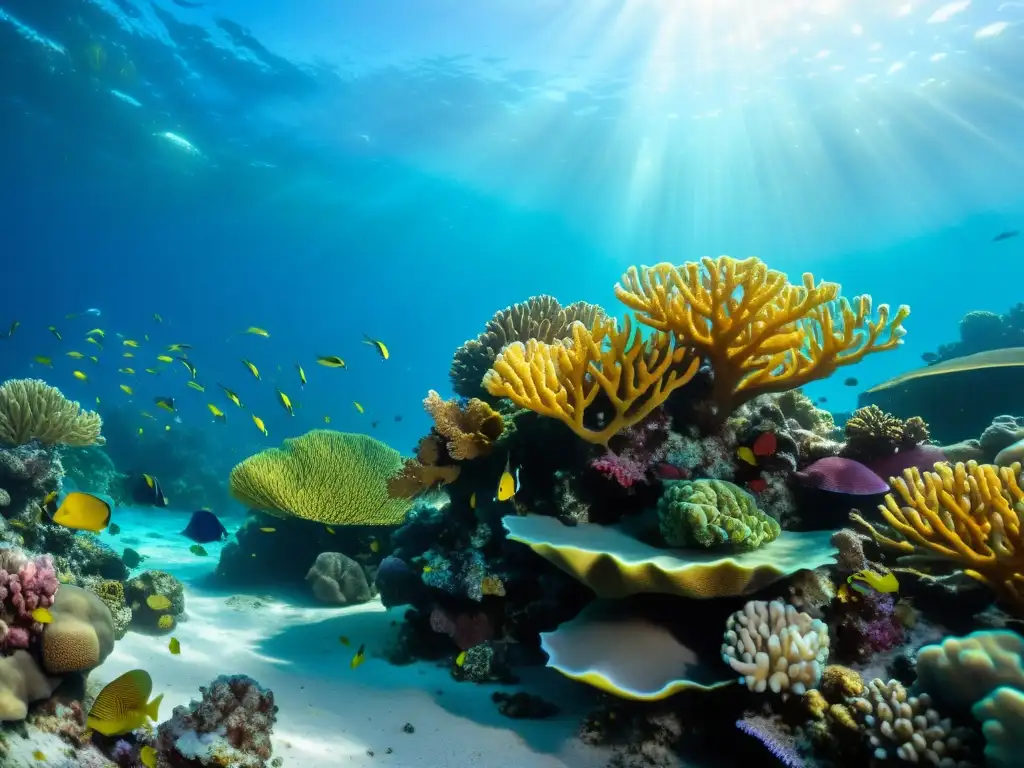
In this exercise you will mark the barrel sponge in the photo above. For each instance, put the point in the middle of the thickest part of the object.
(30, 409)
(710, 513)
(963, 670)
(1001, 714)
(614, 564)
(335, 478)
(21, 683)
(773, 645)
(81, 634)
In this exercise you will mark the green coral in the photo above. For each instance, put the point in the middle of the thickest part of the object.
(710, 513)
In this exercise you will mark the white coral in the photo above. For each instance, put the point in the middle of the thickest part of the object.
(773, 645)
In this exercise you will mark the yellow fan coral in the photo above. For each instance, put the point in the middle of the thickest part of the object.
(335, 478)
(759, 333)
(30, 409)
(563, 379)
(965, 514)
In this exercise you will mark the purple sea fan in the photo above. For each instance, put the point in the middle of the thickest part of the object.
(775, 738)
(840, 475)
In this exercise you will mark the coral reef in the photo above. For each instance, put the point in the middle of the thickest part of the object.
(230, 725)
(30, 409)
(147, 584)
(710, 513)
(27, 474)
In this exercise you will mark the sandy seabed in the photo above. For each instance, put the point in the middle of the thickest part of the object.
(330, 714)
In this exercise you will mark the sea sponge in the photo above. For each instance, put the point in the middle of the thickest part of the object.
(81, 634)
(539, 317)
(334, 478)
(905, 727)
(709, 513)
(773, 645)
(21, 683)
(758, 332)
(614, 564)
(470, 429)
(30, 409)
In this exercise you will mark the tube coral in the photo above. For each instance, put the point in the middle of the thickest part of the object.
(759, 333)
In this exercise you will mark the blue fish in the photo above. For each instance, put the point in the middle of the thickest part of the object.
(205, 527)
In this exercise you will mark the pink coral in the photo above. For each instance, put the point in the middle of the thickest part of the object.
(230, 725)
(467, 630)
(637, 449)
(624, 470)
(25, 584)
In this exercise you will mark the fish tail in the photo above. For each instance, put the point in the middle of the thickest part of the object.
(153, 708)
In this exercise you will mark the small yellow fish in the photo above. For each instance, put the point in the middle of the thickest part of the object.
(344, 640)
(268, 530)
(358, 406)
(460, 659)
(158, 602)
(868, 580)
(178, 347)
(359, 658)
(427, 569)
(97, 399)
(79, 375)
(42, 615)
(43, 361)
(129, 371)
(94, 340)
(97, 332)
(76, 355)
(382, 350)
(167, 403)
(128, 354)
(148, 755)
(195, 385)
(508, 484)
(152, 371)
(94, 358)
(140, 431)
(147, 415)
(302, 374)
(52, 329)
(472, 500)
(188, 366)
(82, 511)
(231, 395)
(130, 343)
(253, 330)
(126, 389)
(217, 412)
(259, 425)
(286, 403)
(252, 369)
(38, 755)
(157, 317)
(327, 419)
(743, 453)
(167, 428)
(375, 546)
(492, 585)
(165, 358)
(329, 529)
(330, 361)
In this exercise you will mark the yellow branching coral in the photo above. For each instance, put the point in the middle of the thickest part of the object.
(335, 478)
(30, 409)
(563, 379)
(760, 333)
(968, 515)
(469, 430)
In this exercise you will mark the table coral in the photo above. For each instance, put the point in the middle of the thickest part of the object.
(774, 646)
(30, 409)
(758, 332)
(25, 584)
(710, 513)
(230, 725)
(965, 515)
(563, 380)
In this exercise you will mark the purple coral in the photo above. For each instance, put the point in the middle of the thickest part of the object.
(774, 736)
(25, 584)
(231, 725)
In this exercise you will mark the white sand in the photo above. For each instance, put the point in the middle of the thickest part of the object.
(330, 714)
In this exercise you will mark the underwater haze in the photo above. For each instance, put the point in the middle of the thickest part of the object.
(229, 223)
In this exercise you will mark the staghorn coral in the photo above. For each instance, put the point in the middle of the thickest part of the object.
(563, 380)
(539, 317)
(335, 478)
(25, 584)
(30, 409)
(905, 727)
(422, 473)
(710, 513)
(469, 430)
(230, 725)
(964, 516)
(773, 645)
(758, 332)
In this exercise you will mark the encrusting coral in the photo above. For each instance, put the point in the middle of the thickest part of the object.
(774, 646)
(758, 332)
(334, 478)
(965, 515)
(30, 409)
(539, 317)
(469, 429)
(708, 513)
(564, 379)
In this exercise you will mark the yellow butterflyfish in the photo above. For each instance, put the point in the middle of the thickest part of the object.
(508, 484)
(42, 615)
(82, 511)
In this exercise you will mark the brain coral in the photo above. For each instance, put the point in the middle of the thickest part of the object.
(81, 635)
(335, 478)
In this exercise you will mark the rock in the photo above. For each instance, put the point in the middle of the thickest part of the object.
(338, 580)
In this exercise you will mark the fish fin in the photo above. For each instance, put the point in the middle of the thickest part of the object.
(153, 708)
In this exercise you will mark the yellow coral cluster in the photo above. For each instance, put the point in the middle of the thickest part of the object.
(760, 333)
(563, 379)
(334, 478)
(469, 429)
(30, 409)
(967, 514)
